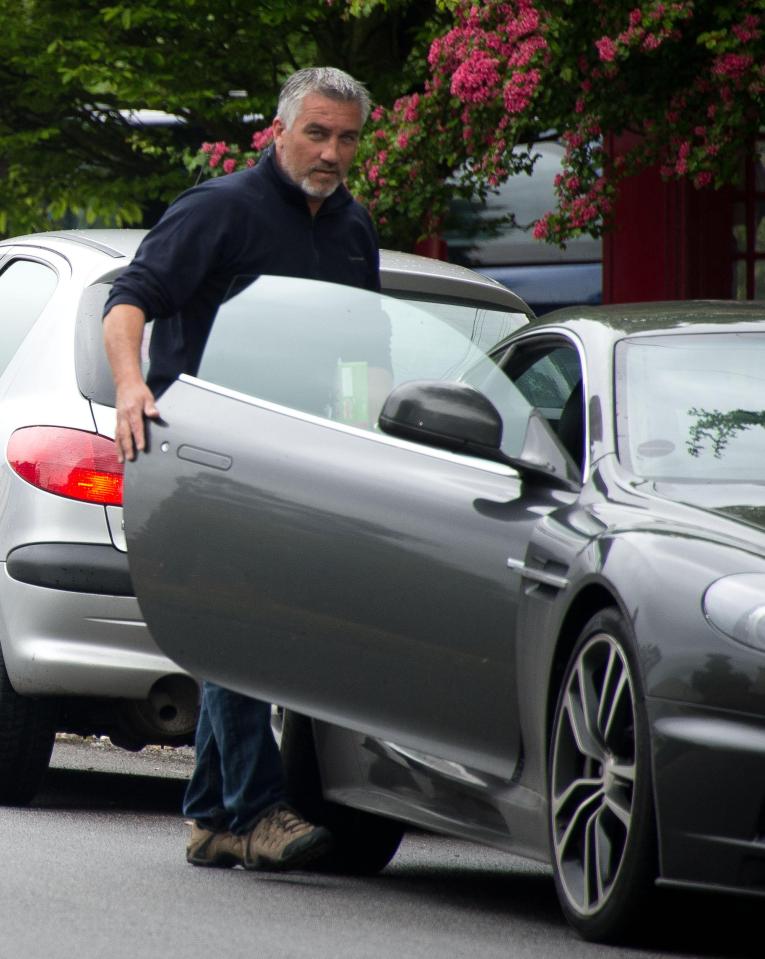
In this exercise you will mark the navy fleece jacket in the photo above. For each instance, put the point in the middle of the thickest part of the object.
(242, 225)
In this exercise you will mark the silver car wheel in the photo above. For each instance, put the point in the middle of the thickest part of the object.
(593, 773)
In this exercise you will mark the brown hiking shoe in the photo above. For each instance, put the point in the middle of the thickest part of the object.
(208, 848)
(281, 839)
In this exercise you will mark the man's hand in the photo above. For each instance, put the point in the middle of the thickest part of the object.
(123, 331)
(134, 401)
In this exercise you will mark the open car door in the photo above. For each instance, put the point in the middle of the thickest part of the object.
(282, 546)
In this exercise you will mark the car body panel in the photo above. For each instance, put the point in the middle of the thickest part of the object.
(361, 568)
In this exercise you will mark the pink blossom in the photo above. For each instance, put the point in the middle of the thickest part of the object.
(572, 139)
(476, 80)
(520, 90)
(542, 228)
(748, 30)
(702, 179)
(377, 114)
(732, 65)
(526, 50)
(403, 140)
(261, 138)
(606, 49)
(229, 165)
(410, 113)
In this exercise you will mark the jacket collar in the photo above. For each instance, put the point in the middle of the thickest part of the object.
(292, 193)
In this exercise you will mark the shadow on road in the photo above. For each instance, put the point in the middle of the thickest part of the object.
(89, 789)
(681, 924)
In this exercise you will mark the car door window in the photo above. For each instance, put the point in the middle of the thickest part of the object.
(26, 286)
(484, 324)
(549, 375)
(337, 351)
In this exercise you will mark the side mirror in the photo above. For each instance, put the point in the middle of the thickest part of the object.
(452, 416)
(455, 416)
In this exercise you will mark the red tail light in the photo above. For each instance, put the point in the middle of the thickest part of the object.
(66, 462)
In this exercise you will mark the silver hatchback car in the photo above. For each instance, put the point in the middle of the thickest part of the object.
(75, 654)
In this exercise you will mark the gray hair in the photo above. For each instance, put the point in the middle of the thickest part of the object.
(329, 82)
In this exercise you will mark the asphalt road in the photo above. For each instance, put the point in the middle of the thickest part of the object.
(95, 868)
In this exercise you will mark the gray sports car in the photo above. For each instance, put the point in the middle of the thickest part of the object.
(519, 593)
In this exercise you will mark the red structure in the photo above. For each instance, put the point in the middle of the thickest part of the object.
(673, 241)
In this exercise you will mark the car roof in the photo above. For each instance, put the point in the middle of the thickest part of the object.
(401, 272)
(408, 272)
(655, 318)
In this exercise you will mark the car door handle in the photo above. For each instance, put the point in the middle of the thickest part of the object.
(218, 461)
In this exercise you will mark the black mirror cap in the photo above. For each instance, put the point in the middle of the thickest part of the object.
(452, 416)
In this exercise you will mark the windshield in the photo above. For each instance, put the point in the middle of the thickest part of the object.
(337, 351)
(691, 407)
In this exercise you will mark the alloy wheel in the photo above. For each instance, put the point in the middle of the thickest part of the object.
(594, 771)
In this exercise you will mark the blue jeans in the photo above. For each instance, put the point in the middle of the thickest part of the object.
(238, 770)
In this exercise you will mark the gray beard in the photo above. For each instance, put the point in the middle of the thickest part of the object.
(316, 192)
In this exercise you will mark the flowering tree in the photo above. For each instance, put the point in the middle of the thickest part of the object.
(73, 73)
(686, 76)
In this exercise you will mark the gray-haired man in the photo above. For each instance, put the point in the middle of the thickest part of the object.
(288, 216)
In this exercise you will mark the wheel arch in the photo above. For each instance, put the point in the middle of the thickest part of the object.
(592, 599)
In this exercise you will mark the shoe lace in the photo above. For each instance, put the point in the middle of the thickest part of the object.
(284, 820)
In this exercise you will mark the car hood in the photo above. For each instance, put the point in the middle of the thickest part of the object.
(743, 502)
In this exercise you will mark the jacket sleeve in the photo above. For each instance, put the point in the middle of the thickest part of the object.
(191, 241)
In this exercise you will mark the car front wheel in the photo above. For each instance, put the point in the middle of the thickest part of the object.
(27, 732)
(601, 808)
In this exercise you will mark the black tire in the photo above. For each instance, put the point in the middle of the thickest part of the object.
(364, 843)
(602, 819)
(27, 732)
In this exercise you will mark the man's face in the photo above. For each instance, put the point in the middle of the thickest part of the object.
(316, 152)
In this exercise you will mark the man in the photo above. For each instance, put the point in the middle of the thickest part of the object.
(290, 215)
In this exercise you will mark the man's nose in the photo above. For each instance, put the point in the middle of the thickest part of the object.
(331, 150)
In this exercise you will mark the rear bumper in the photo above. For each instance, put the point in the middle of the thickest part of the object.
(709, 774)
(65, 642)
(78, 567)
